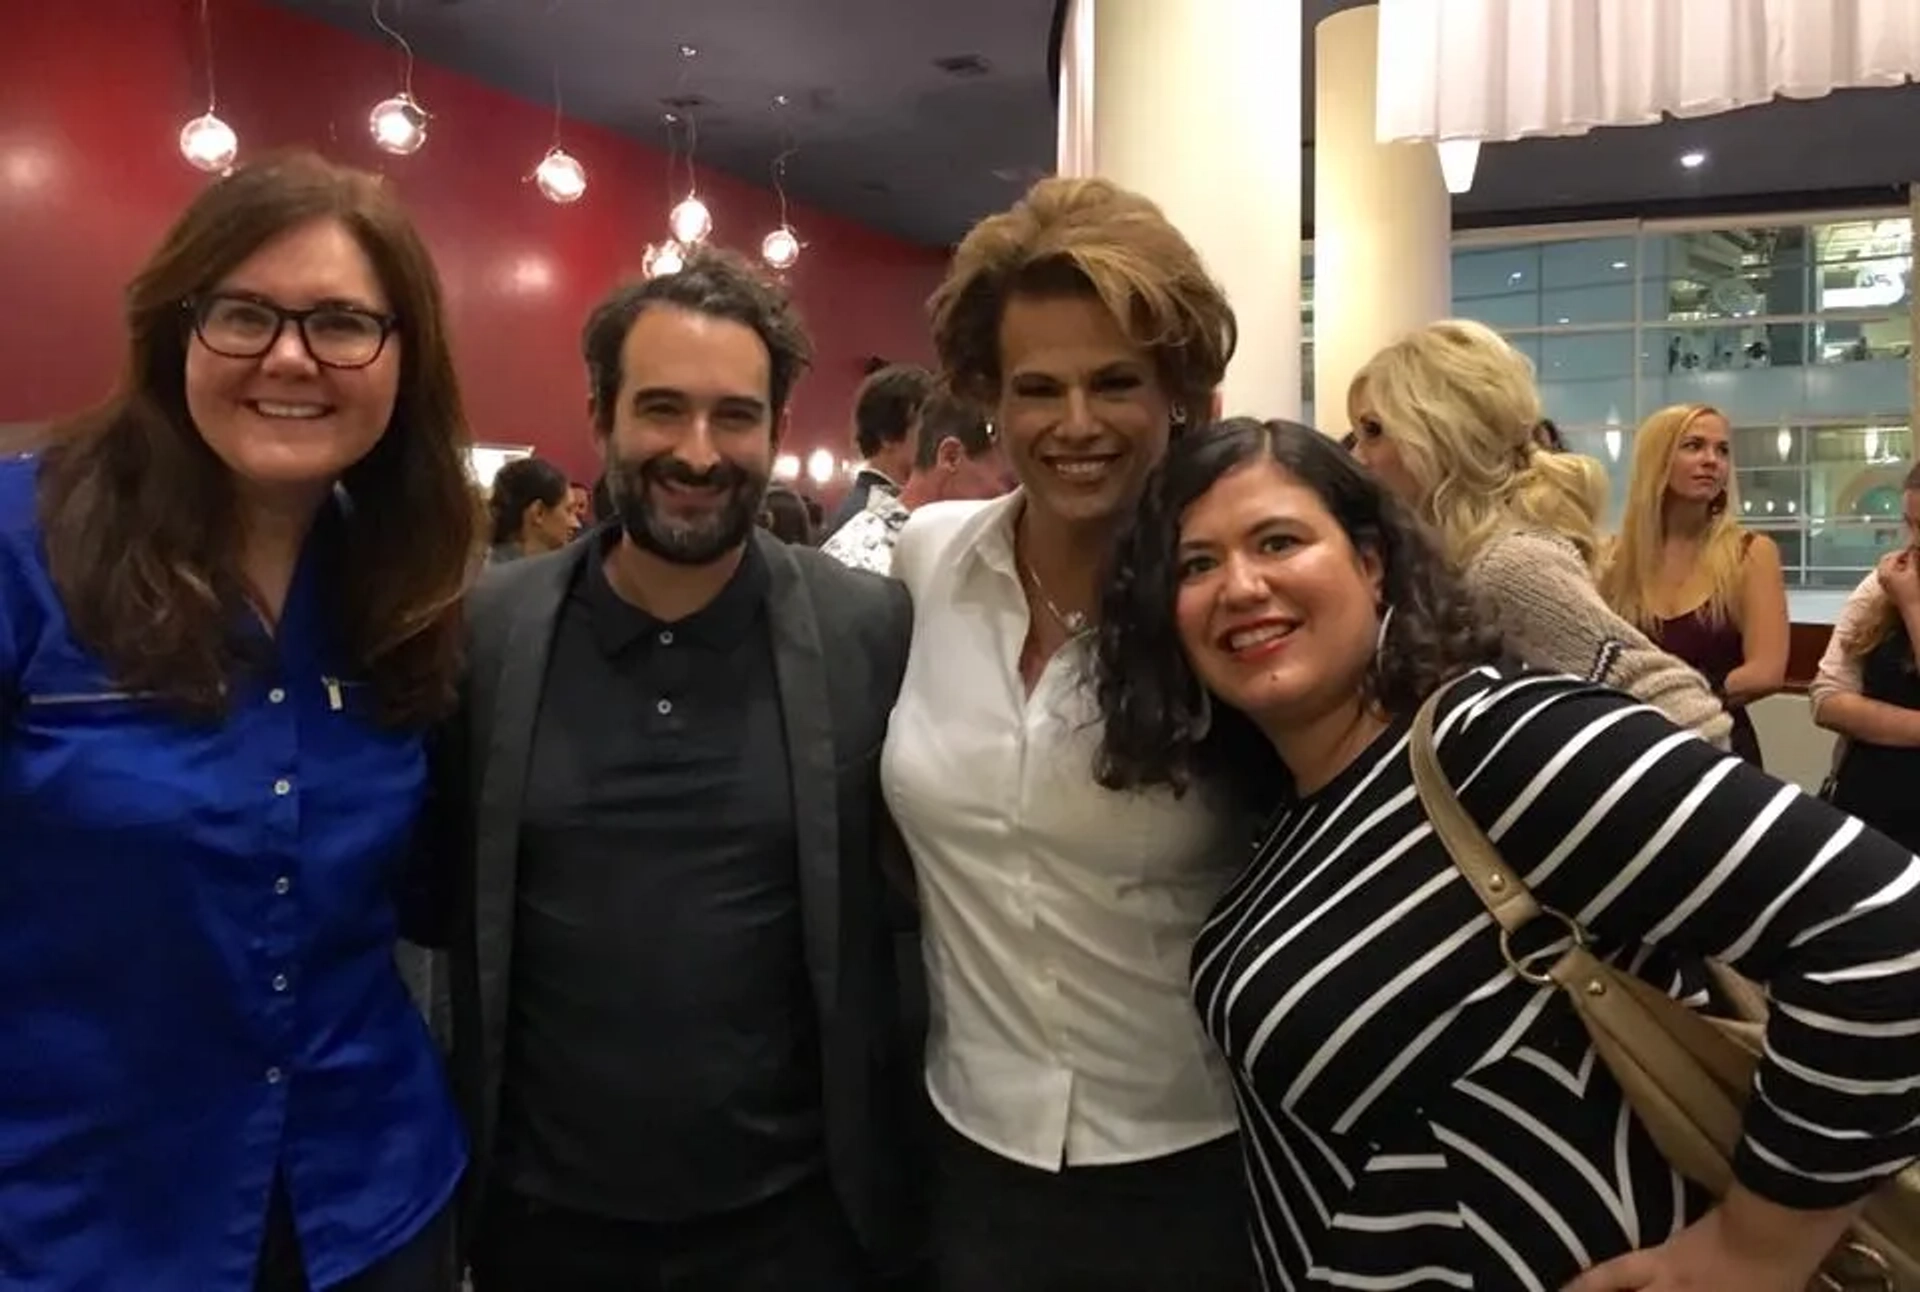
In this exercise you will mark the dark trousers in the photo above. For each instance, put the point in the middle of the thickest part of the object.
(798, 1239)
(1167, 1224)
(423, 1264)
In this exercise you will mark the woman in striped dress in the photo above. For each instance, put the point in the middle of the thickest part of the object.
(1415, 1116)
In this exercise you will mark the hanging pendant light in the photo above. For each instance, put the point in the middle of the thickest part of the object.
(780, 248)
(560, 176)
(398, 125)
(664, 258)
(690, 221)
(209, 143)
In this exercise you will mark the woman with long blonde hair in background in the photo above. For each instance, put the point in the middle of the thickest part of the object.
(1447, 417)
(1688, 575)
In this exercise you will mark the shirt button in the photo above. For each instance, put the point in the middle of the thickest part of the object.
(666, 638)
(282, 886)
(664, 708)
(273, 1076)
(283, 787)
(276, 696)
(279, 982)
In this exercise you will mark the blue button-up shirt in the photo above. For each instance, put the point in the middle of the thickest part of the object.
(197, 979)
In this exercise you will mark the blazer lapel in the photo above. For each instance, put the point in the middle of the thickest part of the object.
(503, 749)
(799, 666)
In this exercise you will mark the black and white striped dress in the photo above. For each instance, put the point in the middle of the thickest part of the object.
(1416, 1117)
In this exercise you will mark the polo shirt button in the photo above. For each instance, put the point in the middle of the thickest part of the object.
(282, 886)
(273, 1076)
(666, 638)
(276, 696)
(282, 787)
(664, 707)
(279, 982)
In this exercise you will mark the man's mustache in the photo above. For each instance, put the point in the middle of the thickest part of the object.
(722, 475)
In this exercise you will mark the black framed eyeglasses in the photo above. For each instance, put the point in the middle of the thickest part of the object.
(246, 327)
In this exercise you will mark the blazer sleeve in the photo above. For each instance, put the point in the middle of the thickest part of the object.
(1650, 837)
(442, 843)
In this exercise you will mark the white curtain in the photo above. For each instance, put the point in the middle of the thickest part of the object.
(1075, 143)
(1510, 69)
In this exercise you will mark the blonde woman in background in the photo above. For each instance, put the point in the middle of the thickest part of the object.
(1685, 573)
(1447, 417)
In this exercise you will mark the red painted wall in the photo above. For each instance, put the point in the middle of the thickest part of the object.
(92, 97)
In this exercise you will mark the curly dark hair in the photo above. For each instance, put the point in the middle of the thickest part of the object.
(714, 281)
(1156, 733)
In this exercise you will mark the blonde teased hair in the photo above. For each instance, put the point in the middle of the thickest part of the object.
(1633, 571)
(1084, 237)
(1461, 407)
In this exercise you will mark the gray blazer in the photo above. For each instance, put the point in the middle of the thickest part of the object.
(840, 646)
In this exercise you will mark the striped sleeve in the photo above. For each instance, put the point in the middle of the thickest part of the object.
(1649, 836)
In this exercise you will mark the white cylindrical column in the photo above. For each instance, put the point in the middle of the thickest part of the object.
(1382, 220)
(1196, 104)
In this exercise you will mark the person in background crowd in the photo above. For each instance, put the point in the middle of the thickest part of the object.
(884, 413)
(1547, 435)
(229, 609)
(784, 515)
(1868, 693)
(682, 1073)
(1085, 1124)
(816, 514)
(1685, 572)
(580, 499)
(956, 458)
(1414, 1112)
(1447, 418)
(531, 507)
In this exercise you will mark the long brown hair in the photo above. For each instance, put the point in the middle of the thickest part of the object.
(141, 518)
(1886, 615)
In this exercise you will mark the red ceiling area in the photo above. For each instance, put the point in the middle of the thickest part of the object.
(91, 101)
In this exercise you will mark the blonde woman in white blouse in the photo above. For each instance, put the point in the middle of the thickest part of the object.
(1087, 1122)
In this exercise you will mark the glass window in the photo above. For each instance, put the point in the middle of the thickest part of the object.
(1800, 333)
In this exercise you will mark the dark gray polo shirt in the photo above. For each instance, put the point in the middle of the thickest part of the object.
(662, 1058)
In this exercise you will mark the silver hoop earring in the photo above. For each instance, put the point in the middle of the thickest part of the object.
(1380, 638)
(1203, 715)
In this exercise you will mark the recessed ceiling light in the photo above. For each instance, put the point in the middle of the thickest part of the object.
(1693, 160)
(781, 100)
(688, 51)
(1619, 264)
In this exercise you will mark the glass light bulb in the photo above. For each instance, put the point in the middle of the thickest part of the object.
(786, 467)
(664, 258)
(560, 176)
(209, 143)
(398, 125)
(780, 248)
(690, 220)
(820, 466)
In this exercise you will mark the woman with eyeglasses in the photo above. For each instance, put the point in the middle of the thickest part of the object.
(229, 608)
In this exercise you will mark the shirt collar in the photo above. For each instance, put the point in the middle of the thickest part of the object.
(619, 623)
(987, 538)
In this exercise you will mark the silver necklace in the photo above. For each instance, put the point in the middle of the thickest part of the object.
(1074, 621)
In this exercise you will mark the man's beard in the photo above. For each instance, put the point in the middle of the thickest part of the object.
(700, 539)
